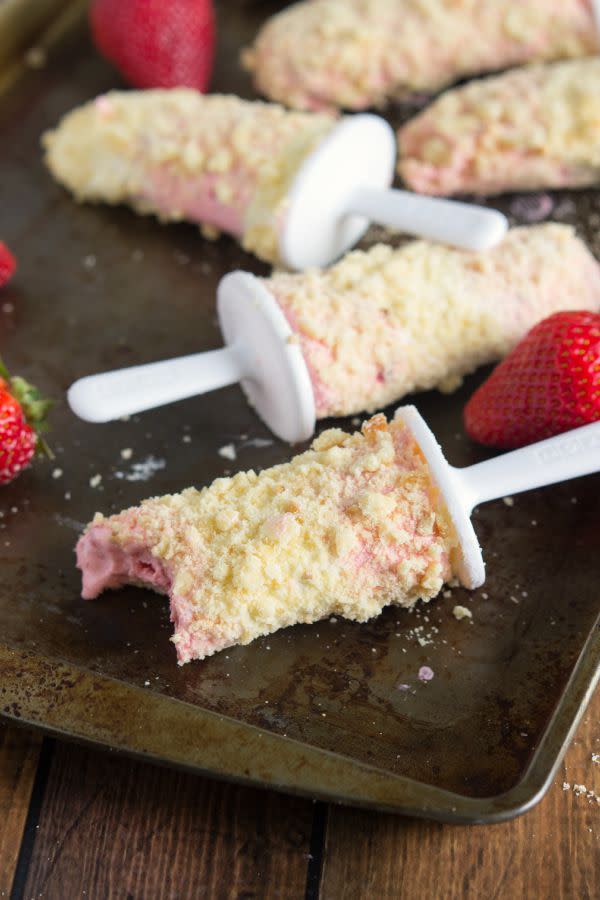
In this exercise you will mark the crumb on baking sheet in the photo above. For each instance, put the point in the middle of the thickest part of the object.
(228, 451)
(509, 501)
(426, 673)
(95, 480)
(126, 453)
(461, 612)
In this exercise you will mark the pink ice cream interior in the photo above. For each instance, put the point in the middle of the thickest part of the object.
(106, 564)
(195, 199)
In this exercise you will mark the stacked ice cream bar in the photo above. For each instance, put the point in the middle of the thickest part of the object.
(535, 127)
(222, 162)
(356, 54)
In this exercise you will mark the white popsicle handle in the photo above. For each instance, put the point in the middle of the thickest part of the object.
(104, 397)
(448, 221)
(559, 458)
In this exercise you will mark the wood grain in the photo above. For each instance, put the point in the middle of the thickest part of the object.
(19, 752)
(551, 852)
(112, 827)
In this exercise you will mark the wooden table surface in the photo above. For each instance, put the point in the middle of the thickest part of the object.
(76, 822)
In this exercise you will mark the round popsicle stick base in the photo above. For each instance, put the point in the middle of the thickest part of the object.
(470, 566)
(278, 384)
(361, 150)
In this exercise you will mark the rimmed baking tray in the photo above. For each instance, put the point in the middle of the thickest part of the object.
(336, 710)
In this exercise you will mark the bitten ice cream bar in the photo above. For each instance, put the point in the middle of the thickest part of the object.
(356, 337)
(293, 188)
(357, 522)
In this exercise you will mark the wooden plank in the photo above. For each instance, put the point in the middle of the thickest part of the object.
(19, 751)
(552, 851)
(112, 827)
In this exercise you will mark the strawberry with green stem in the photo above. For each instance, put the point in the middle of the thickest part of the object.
(22, 414)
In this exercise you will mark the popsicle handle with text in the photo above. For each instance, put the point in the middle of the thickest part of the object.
(569, 455)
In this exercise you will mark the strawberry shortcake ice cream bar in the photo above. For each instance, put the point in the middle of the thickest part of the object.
(535, 127)
(387, 322)
(222, 162)
(355, 54)
(350, 526)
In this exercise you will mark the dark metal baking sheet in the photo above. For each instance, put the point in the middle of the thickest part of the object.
(335, 710)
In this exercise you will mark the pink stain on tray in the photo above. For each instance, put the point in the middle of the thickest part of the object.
(425, 673)
(532, 207)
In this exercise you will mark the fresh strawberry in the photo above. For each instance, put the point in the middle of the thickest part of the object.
(8, 264)
(157, 43)
(550, 383)
(22, 413)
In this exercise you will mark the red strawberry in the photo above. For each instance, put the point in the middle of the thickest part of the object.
(8, 264)
(22, 412)
(157, 43)
(548, 384)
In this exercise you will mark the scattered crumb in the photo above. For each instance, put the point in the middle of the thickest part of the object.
(404, 687)
(186, 439)
(259, 443)
(509, 501)
(425, 673)
(146, 684)
(68, 495)
(36, 57)
(126, 453)
(485, 596)
(596, 758)
(143, 470)
(57, 473)
(566, 786)
(514, 599)
(356, 421)
(210, 232)
(228, 452)
(579, 789)
(534, 522)
(89, 261)
(573, 499)
(95, 480)
(124, 418)
(447, 593)
(461, 612)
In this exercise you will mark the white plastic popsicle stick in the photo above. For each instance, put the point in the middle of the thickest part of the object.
(344, 185)
(559, 458)
(461, 224)
(260, 353)
(122, 392)
(596, 12)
